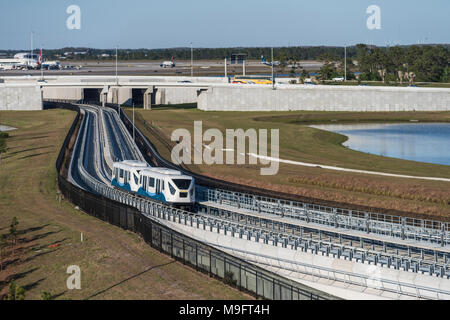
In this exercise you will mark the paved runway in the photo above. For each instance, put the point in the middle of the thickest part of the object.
(146, 68)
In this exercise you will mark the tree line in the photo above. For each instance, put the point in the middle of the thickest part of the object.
(404, 64)
(424, 63)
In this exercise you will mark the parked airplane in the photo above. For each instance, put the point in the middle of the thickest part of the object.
(264, 61)
(168, 64)
(21, 61)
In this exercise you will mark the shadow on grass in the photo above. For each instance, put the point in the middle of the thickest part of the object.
(40, 236)
(57, 295)
(16, 277)
(40, 254)
(33, 284)
(175, 107)
(34, 155)
(32, 229)
(7, 263)
(25, 137)
(132, 277)
(26, 150)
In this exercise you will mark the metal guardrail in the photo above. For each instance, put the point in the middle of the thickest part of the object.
(393, 226)
(289, 235)
(348, 278)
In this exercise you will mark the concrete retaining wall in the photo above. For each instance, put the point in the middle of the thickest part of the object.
(323, 98)
(166, 95)
(75, 94)
(20, 97)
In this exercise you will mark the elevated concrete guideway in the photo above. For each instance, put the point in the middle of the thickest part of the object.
(217, 94)
(125, 93)
(124, 90)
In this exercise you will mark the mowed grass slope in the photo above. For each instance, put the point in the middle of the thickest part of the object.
(299, 142)
(115, 264)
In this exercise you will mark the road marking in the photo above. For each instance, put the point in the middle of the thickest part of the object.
(297, 163)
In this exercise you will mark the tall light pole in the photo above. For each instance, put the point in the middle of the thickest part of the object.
(31, 45)
(345, 63)
(42, 69)
(117, 76)
(273, 79)
(192, 61)
(226, 71)
(134, 137)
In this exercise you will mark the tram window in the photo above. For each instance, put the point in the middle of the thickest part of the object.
(152, 182)
(121, 173)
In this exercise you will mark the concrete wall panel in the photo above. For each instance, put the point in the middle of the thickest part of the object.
(20, 97)
(68, 93)
(323, 98)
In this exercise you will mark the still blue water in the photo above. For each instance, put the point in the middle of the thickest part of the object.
(424, 142)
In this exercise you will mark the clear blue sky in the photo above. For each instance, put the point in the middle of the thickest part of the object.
(212, 23)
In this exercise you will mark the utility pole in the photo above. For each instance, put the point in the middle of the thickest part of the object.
(192, 61)
(226, 71)
(134, 137)
(345, 63)
(117, 77)
(42, 69)
(273, 79)
(31, 45)
(243, 67)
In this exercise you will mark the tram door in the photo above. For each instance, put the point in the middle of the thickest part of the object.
(158, 186)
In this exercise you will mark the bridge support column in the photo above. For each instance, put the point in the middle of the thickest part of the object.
(148, 98)
(104, 95)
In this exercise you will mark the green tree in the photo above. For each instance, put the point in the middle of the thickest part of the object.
(3, 245)
(46, 295)
(3, 148)
(16, 292)
(446, 75)
(396, 55)
(13, 231)
(328, 71)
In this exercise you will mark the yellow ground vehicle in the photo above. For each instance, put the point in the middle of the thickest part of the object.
(252, 79)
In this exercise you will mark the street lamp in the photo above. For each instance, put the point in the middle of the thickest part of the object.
(42, 69)
(134, 137)
(273, 79)
(117, 76)
(345, 63)
(192, 61)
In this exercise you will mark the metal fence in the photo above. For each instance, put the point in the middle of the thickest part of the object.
(404, 228)
(233, 271)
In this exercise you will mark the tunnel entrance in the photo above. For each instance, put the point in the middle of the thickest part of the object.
(91, 95)
(138, 97)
